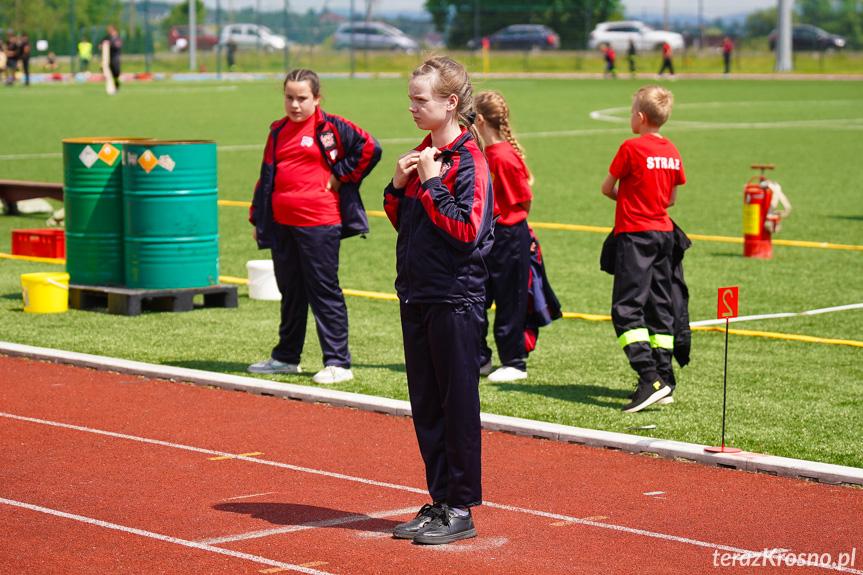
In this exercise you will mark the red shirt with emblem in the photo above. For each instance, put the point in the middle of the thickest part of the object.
(648, 167)
(510, 176)
(300, 196)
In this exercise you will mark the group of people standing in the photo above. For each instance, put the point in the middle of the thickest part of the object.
(15, 51)
(459, 202)
(610, 57)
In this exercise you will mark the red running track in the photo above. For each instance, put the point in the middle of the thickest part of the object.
(110, 473)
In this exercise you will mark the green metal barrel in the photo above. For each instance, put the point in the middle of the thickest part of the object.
(170, 214)
(93, 198)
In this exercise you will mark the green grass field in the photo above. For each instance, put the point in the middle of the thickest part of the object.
(786, 397)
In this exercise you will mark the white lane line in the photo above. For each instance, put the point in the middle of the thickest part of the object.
(490, 504)
(311, 525)
(165, 538)
(218, 453)
(778, 315)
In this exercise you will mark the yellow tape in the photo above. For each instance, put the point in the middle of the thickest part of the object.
(773, 335)
(605, 230)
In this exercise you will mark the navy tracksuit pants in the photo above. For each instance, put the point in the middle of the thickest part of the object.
(641, 307)
(306, 266)
(441, 342)
(508, 266)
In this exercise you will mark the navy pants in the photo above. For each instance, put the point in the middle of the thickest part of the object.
(306, 265)
(441, 342)
(508, 266)
(641, 305)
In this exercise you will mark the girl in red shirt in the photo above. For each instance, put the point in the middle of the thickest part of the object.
(306, 200)
(509, 260)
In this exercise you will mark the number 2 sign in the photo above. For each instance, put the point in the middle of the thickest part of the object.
(727, 305)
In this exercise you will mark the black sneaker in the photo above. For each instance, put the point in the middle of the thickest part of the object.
(425, 515)
(647, 394)
(447, 527)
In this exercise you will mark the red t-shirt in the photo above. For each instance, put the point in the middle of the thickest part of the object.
(300, 196)
(648, 167)
(509, 176)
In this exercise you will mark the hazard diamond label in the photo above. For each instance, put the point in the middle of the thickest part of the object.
(88, 156)
(148, 161)
(109, 154)
(167, 162)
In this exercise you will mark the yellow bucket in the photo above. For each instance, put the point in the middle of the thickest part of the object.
(45, 292)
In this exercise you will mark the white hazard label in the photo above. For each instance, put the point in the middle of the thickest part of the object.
(88, 156)
(167, 163)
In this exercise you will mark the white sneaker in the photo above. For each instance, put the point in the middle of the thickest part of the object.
(668, 399)
(506, 373)
(333, 374)
(274, 366)
(485, 368)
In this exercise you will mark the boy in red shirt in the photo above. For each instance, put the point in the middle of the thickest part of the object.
(649, 171)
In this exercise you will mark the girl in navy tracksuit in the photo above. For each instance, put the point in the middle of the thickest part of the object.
(509, 259)
(440, 201)
(306, 200)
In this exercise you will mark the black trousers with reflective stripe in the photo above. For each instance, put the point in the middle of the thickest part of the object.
(642, 299)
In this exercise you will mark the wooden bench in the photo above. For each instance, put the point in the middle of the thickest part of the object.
(12, 191)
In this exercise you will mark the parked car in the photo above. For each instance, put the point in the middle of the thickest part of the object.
(808, 37)
(373, 36)
(252, 36)
(521, 37)
(178, 38)
(643, 36)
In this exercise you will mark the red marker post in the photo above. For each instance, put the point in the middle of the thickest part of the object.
(726, 308)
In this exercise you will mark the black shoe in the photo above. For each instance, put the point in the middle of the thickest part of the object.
(647, 394)
(425, 515)
(449, 526)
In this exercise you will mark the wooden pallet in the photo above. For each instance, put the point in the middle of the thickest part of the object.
(124, 301)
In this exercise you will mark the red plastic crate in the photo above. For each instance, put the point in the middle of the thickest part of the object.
(45, 243)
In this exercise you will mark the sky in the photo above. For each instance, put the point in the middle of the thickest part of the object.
(712, 8)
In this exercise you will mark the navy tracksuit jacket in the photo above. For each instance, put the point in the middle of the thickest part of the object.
(445, 228)
(306, 259)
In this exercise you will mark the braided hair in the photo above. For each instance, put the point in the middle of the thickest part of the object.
(494, 110)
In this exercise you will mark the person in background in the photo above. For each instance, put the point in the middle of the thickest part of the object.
(667, 54)
(231, 54)
(610, 59)
(631, 55)
(50, 62)
(85, 54)
(306, 200)
(727, 48)
(13, 53)
(115, 48)
(24, 51)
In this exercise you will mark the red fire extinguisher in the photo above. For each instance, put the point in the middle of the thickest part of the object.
(761, 218)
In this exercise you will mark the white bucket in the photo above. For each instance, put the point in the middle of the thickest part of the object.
(262, 280)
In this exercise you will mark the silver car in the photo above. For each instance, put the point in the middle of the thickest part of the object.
(252, 36)
(373, 36)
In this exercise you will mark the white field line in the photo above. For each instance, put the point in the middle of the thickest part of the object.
(631, 530)
(776, 315)
(606, 115)
(312, 525)
(165, 538)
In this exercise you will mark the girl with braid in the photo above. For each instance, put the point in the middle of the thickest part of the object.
(509, 260)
